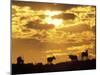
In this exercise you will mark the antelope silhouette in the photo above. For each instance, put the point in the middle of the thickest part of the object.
(84, 55)
(20, 60)
(73, 57)
(50, 59)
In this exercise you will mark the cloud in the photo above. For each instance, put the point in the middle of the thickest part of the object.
(76, 28)
(75, 50)
(94, 29)
(36, 25)
(34, 33)
(28, 23)
(65, 16)
(81, 48)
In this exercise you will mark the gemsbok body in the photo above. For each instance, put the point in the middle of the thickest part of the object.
(73, 57)
(50, 59)
(84, 55)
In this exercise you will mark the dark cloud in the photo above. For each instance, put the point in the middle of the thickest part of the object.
(45, 5)
(76, 28)
(36, 25)
(23, 18)
(39, 36)
(13, 11)
(26, 30)
(90, 15)
(94, 28)
(65, 16)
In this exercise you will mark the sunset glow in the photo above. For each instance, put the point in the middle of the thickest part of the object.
(55, 22)
(52, 13)
(39, 32)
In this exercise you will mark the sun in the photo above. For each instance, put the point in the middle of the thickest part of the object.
(55, 22)
(49, 20)
(52, 13)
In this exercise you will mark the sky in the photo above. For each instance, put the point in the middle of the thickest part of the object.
(41, 30)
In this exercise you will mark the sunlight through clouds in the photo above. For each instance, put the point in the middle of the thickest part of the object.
(64, 31)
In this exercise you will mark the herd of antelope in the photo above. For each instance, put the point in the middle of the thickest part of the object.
(84, 56)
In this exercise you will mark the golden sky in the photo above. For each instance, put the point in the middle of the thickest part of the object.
(43, 29)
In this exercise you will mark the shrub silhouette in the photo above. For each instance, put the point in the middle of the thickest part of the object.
(20, 60)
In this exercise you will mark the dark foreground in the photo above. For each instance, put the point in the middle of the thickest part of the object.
(64, 66)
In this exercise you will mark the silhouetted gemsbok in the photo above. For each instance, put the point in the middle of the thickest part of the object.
(20, 60)
(84, 55)
(50, 59)
(73, 57)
